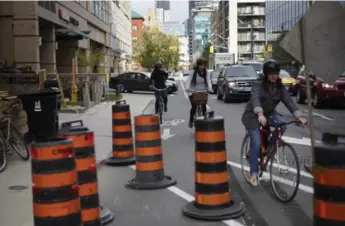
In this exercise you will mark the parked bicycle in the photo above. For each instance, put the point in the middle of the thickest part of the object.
(11, 140)
(274, 151)
(161, 102)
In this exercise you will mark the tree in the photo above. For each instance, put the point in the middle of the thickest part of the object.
(154, 46)
(89, 59)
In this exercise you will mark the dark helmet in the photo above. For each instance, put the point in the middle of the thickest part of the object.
(271, 66)
(158, 65)
(201, 61)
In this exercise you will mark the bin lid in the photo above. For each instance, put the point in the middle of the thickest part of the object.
(42, 92)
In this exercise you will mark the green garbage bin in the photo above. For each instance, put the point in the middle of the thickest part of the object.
(42, 112)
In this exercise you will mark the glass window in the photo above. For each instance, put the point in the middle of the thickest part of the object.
(135, 27)
(246, 71)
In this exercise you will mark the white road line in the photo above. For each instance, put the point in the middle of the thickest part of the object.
(266, 176)
(184, 195)
(321, 116)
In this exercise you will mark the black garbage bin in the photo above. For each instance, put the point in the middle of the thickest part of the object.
(42, 111)
(53, 84)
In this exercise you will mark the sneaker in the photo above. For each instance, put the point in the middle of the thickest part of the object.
(165, 108)
(254, 181)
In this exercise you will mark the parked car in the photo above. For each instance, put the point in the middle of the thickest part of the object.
(321, 92)
(288, 81)
(235, 82)
(137, 81)
(214, 78)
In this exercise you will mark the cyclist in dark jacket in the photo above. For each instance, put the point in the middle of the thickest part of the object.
(158, 79)
(266, 95)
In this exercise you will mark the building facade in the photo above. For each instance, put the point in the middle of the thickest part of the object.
(202, 30)
(163, 13)
(193, 5)
(184, 57)
(175, 28)
(121, 31)
(137, 28)
(243, 25)
(150, 19)
(47, 34)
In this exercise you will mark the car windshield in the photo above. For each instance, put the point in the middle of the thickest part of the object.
(256, 66)
(214, 74)
(246, 71)
(284, 74)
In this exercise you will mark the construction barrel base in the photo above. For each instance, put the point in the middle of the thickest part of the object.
(235, 210)
(106, 216)
(120, 161)
(166, 182)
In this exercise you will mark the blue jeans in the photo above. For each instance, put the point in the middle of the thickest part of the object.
(255, 145)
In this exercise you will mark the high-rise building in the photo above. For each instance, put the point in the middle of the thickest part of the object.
(163, 12)
(194, 5)
(151, 19)
(175, 28)
(243, 27)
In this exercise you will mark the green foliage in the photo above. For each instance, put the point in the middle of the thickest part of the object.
(90, 59)
(154, 46)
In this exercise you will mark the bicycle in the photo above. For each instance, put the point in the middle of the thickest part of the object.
(199, 98)
(272, 155)
(11, 140)
(160, 102)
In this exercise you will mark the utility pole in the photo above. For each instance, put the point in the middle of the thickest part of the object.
(251, 40)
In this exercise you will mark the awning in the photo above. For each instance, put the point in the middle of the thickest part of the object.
(69, 34)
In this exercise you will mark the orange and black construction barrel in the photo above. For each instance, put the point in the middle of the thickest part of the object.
(83, 141)
(55, 190)
(329, 181)
(123, 154)
(149, 155)
(213, 200)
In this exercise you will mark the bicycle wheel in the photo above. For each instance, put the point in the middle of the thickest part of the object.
(18, 143)
(3, 159)
(245, 148)
(160, 111)
(285, 154)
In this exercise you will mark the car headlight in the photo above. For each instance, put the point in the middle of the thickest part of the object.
(231, 84)
(325, 85)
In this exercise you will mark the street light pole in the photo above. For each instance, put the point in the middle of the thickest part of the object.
(251, 40)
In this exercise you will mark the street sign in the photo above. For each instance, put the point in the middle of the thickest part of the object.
(269, 48)
(324, 44)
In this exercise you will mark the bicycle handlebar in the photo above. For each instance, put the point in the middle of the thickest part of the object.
(274, 123)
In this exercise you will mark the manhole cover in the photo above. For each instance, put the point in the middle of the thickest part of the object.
(18, 187)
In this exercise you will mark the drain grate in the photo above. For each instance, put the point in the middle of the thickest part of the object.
(18, 187)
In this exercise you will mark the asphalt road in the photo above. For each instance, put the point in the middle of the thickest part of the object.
(164, 207)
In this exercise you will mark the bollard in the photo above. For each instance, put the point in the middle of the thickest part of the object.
(329, 181)
(83, 140)
(55, 191)
(123, 154)
(149, 155)
(212, 195)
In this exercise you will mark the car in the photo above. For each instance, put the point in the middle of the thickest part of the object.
(214, 77)
(137, 81)
(185, 75)
(257, 66)
(235, 82)
(287, 81)
(321, 92)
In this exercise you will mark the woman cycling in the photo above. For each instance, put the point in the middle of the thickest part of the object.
(198, 80)
(266, 95)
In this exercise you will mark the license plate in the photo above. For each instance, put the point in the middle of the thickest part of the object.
(247, 89)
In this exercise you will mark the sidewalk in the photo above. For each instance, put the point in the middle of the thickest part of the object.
(16, 205)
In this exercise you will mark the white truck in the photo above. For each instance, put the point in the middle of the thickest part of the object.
(221, 59)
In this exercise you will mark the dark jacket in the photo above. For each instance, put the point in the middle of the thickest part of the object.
(158, 79)
(265, 102)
